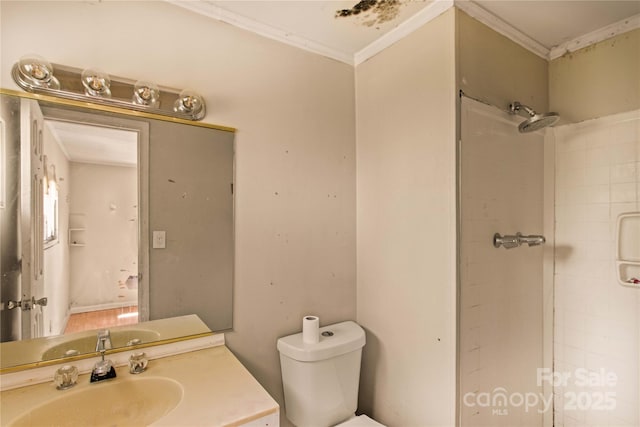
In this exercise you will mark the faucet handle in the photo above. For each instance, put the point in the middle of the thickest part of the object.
(66, 377)
(138, 363)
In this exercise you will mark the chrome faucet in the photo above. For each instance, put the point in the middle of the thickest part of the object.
(103, 369)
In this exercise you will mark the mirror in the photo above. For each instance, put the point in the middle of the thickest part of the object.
(97, 252)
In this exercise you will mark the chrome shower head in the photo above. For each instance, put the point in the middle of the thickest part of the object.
(534, 120)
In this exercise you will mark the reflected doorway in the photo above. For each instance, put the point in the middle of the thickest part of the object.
(91, 266)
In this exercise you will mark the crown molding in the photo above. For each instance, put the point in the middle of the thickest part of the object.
(212, 11)
(435, 9)
(498, 25)
(430, 12)
(617, 28)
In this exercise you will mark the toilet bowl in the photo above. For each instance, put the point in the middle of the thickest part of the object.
(320, 380)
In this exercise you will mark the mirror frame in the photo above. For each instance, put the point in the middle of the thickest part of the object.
(111, 109)
(144, 256)
(164, 327)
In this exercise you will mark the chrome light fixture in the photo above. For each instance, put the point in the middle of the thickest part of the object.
(96, 82)
(189, 102)
(35, 74)
(146, 93)
(36, 71)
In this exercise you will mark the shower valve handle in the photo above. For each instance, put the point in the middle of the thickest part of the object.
(509, 242)
(513, 241)
(531, 240)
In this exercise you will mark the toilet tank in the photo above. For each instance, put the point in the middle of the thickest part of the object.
(321, 380)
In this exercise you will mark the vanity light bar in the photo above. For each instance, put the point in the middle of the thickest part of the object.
(35, 74)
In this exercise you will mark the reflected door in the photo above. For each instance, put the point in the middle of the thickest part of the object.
(31, 218)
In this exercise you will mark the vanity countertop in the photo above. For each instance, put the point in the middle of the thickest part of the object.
(218, 390)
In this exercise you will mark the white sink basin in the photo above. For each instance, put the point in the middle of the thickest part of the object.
(87, 344)
(118, 402)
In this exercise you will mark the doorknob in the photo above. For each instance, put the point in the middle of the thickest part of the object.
(27, 304)
(24, 304)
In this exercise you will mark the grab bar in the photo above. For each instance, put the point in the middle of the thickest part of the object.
(513, 241)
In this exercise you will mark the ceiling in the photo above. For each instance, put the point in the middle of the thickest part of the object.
(552, 23)
(96, 144)
(350, 30)
(319, 21)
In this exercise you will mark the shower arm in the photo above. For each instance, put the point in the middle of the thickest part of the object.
(521, 109)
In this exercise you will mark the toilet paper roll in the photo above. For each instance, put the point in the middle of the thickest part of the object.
(311, 329)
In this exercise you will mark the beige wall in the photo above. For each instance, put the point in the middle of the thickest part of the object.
(103, 201)
(406, 102)
(295, 200)
(597, 81)
(496, 70)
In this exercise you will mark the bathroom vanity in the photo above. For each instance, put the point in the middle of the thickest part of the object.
(184, 190)
(190, 382)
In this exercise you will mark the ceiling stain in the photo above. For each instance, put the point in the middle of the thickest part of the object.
(373, 12)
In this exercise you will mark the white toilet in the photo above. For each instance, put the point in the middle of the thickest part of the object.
(321, 380)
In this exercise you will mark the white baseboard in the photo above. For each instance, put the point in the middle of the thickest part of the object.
(107, 306)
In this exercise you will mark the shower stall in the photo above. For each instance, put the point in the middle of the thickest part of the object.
(549, 320)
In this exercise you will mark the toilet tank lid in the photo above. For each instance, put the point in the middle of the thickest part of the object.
(346, 337)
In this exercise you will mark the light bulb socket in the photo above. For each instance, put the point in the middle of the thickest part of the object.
(96, 83)
(189, 102)
(36, 71)
(146, 93)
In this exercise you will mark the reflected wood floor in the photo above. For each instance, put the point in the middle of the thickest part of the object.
(101, 319)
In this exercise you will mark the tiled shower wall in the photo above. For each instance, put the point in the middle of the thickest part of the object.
(597, 332)
(501, 318)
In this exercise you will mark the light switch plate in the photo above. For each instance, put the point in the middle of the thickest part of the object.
(159, 239)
